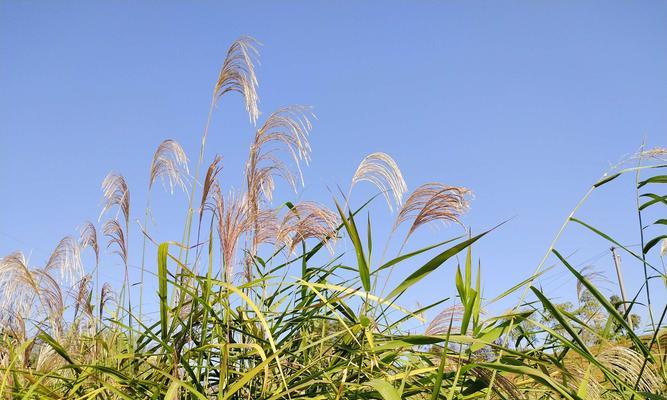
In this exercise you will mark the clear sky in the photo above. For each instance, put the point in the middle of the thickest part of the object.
(526, 103)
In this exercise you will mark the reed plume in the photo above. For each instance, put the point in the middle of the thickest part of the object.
(658, 153)
(580, 378)
(114, 231)
(106, 295)
(433, 202)
(383, 172)
(591, 275)
(441, 323)
(266, 226)
(117, 239)
(238, 74)
(628, 365)
(21, 286)
(82, 297)
(48, 359)
(50, 297)
(285, 129)
(232, 225)
(88, 238)
(210, 184)
(503, 385)
(12, 323)
(17, 284)
(66, 259)
(116, 193)
(307, 220)
(170, 164)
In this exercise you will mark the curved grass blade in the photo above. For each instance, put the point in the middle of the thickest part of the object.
(433, 264)
(607, 305)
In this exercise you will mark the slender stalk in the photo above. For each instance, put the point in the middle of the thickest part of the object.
(98, 297)
(641, 237)
(143, 257)
(188, 219)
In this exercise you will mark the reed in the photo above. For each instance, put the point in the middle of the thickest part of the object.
(277, 302)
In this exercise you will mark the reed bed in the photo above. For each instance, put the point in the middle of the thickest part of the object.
(260, 300)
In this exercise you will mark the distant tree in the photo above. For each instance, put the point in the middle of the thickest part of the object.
(635, 320)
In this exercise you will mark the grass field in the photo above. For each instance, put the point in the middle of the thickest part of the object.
(259, 300)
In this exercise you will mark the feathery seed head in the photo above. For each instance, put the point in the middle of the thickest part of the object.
(307, 220)
(433, 202)
(659, 153)
(238, 74)
(629, 365)
(50, 296)
(81, 297)
(287, 129)
(383, 172)
(114, 231)
(116, 193)
(170, 164)
(232, 224)
(21, 286)
(66, 259)
(88, 238)
(17, 283)
(210, 183)
(106, 295)
(441, 322)
(591, 275)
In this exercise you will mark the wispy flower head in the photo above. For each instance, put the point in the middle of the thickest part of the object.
(238, 74)
(433, 202)
(82, 297)
(233, 222)
(267, 224)
(450, 316)
(66, 259)
(286, 129)
(659, 153)
(630, 366)
(17, 282)
(210, 183)
(591, 275)
(170, 164)
(88, 238)
(116, 193)
(383, 172)
(106, 295)
(21, 286)
(307, 220)
(114, 231)
(50, 296)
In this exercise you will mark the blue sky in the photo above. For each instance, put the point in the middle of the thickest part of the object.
(526, 103)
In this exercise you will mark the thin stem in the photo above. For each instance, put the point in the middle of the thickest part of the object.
(641, 236)
(188, 220)
(143, 256)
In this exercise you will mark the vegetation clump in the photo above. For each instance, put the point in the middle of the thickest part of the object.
(258, 301)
